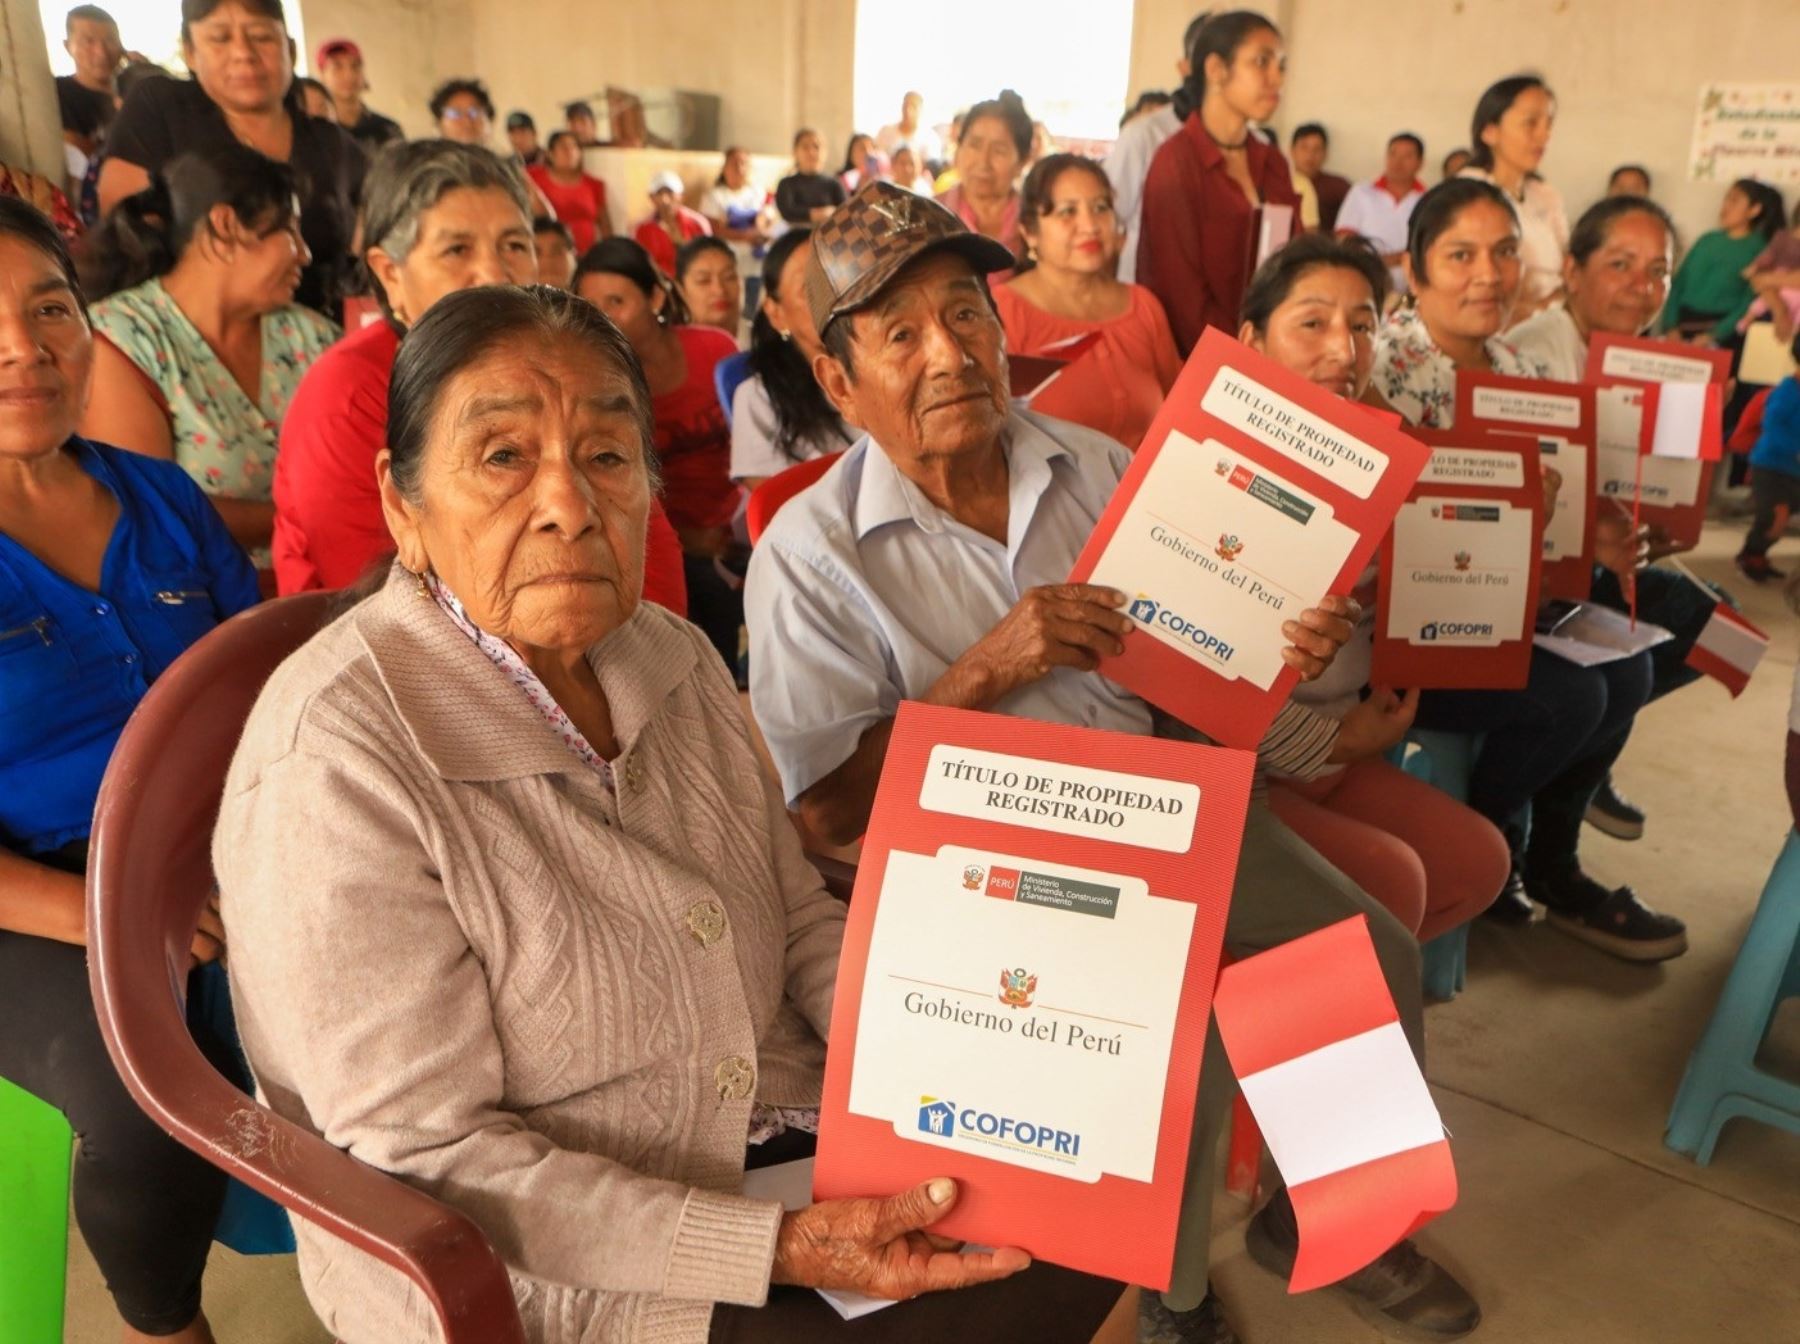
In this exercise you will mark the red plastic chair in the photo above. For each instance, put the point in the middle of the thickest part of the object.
(766, 500)
(149, 875)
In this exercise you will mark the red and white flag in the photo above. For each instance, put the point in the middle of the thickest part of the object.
(1686, 421)
(1317, 1046)
(1728, 650)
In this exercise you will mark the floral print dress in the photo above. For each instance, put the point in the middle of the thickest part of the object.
(1419, 380)
(222, 439)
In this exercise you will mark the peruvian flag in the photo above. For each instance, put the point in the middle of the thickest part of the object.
(1318, 1050)
(1728, 650)
(1685, 421)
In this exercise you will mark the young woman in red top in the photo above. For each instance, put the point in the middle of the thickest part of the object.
(1068, 290)
(578, 198)
(693, 438)
(439, 217)
(1198, 239)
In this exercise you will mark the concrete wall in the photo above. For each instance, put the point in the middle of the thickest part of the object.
(1627, 75)
(776, 65)
(409, 48)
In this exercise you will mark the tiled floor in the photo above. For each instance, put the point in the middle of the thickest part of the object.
(1554, 1071)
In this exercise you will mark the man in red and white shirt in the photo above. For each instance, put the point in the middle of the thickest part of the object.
(1381, 210)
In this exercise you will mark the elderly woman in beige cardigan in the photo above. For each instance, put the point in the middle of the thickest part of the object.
(514, 913)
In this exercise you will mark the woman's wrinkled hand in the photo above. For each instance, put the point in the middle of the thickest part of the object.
(879, 1247)
(1375, 726)
(1314, 639)
(1618, 545)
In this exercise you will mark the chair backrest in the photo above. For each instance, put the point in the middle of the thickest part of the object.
(727, 374)
(839, 877)
(149, 875)
(766, 500)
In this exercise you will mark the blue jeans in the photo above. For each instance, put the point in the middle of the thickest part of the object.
(1549, 745)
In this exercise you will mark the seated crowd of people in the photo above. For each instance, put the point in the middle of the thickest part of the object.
(517, 898)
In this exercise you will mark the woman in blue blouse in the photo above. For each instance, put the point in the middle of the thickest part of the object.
(111, 564)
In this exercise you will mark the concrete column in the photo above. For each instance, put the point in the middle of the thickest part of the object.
(30, 129)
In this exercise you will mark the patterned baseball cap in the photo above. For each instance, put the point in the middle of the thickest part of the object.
(863, 244)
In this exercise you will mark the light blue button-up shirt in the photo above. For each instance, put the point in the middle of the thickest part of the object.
(862, 592)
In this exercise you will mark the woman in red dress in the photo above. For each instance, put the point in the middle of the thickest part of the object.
(578, 198)
(693, 438)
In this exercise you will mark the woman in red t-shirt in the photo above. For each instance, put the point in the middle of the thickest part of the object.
(693, 438)
(1066, 290)
(329, 527)
(578, 198)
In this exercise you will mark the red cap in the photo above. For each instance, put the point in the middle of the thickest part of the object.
(338, 46)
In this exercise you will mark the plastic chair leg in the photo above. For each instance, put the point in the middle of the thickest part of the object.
(1722, 1081)
(1243, 1162)
(1446, 961)
(35, 1147)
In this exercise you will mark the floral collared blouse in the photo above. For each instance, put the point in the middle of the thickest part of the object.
(223, 440)
(1419, 380)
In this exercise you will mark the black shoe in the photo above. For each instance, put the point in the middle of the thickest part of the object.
(1204, 1324)
(1402, 1292)
(1757, 568)
(1614, 813)
(1614, 920)
(1512, 907)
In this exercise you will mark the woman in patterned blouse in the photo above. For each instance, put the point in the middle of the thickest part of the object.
(1462, 261)
(200, 344)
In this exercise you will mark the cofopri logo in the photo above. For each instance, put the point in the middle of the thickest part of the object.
(1147, 611)
(1433, 630)
(943, 1119)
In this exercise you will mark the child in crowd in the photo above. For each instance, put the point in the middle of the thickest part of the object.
(1774, 476)
(1775, 276)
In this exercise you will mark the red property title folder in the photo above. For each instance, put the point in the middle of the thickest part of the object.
(1676, 445)
(1560, 418)
(1255, 494)
(1026, 978)
(1461, 570)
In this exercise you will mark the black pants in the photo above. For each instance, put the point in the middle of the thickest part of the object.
(146, 1206)
(1549, 745)
(716, 607)
(1775, 494)
(1045, 1304)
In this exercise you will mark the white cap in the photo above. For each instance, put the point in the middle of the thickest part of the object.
(666, 180)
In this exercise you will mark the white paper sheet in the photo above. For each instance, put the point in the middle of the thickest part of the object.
(1597, 634)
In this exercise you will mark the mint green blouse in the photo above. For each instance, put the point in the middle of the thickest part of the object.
(222, 439)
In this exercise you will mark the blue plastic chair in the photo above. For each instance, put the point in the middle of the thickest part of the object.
(1444, 761)
(1722, 1081)
(727, 374)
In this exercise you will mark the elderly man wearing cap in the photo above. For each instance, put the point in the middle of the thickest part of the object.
(340, 67)
(929, 564)
(670, 224)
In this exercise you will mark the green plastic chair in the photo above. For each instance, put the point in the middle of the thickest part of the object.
(35, 1147)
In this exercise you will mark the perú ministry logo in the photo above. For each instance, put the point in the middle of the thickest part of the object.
(1229, 546)
(936, 1117)
(1462, 560)
(973, 876)
(1016, 987)
(1223, 466)
(1143, 609)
